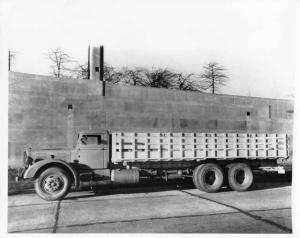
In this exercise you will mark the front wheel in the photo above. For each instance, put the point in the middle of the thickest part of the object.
(53, 184)
(208, 177)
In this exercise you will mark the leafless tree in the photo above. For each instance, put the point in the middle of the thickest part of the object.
(80, 71)
(161, 78)
(214, 77)
(188, 82)
(59, 60)
(158, 78)
(133, 76)
(112, 74)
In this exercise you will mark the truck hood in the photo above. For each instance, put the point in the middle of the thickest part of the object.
(58, 153)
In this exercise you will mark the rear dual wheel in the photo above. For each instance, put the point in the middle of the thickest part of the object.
(208, 177)
(240, 177)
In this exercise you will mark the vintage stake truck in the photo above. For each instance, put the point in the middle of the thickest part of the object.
(211, 159)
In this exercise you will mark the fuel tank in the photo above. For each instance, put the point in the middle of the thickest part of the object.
(125, 176)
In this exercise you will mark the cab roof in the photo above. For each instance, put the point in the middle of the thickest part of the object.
(94, 132)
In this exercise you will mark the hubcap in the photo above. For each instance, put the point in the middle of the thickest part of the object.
(52, 183)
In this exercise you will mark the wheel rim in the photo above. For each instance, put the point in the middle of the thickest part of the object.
(240, 176)
(210, 177)
(52, 183)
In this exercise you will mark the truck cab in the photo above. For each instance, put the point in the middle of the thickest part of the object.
(56, 169)
(92, 149)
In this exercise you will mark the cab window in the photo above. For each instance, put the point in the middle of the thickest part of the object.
(90, 140)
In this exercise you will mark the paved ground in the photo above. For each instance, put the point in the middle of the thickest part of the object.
(169, 208)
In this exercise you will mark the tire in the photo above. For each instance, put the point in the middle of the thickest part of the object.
(208, 177)
(240, 177)
(53, 184)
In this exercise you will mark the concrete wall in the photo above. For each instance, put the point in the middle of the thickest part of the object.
(47, 112)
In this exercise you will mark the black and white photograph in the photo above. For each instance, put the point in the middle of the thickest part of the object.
(149, 117)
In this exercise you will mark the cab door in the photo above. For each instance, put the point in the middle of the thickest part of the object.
(93, 150)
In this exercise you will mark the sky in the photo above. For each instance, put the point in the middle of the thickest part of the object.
(253, 39)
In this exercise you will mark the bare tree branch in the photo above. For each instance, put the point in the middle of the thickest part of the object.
(188, 82)
(59, 60)
(158, 78)
(133, 76)
(111, 74)
(80, 71)
(214, 77)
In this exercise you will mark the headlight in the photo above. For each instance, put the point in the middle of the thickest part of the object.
(27, 160)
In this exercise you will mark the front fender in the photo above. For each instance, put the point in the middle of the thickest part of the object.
(32, 171)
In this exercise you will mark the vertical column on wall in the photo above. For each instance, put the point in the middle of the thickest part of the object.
(97, 66)
(94, 63)
(101, 63)
(70, 126)
(89, 64)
